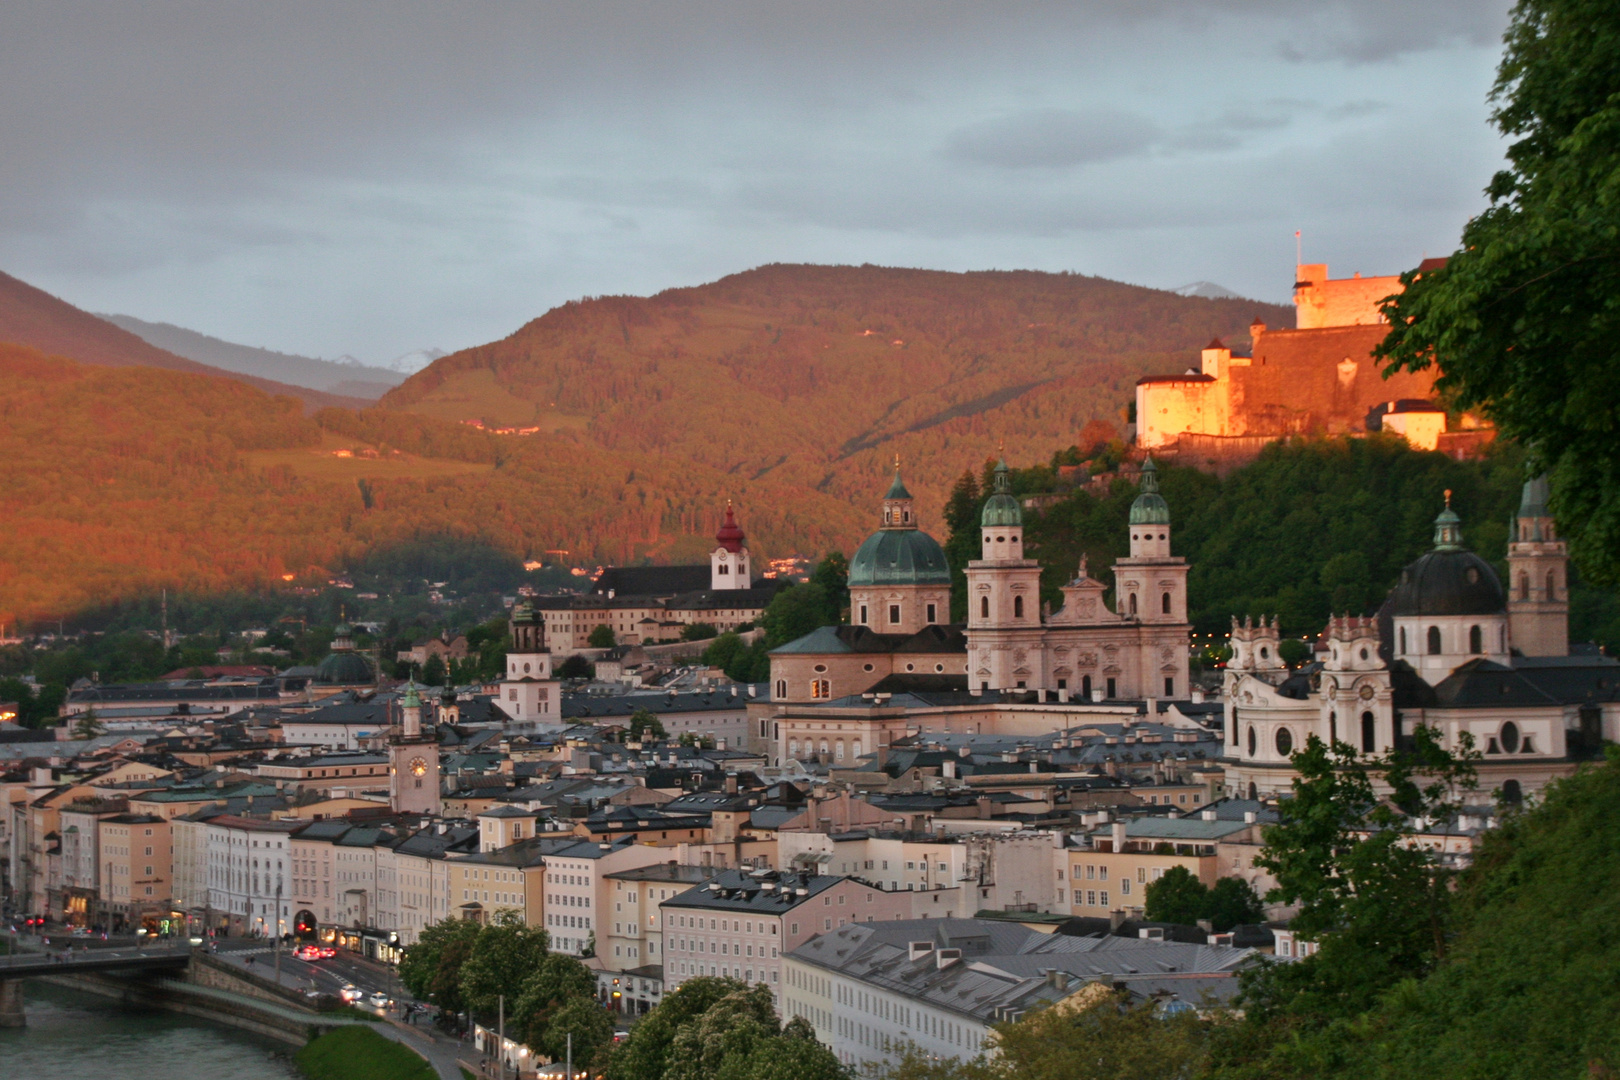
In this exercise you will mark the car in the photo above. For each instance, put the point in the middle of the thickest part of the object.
(307, 952)
(377, 1000)
(327, 952)
(80, 931)
(350, 993)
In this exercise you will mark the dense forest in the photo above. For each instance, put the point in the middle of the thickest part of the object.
(1311, 528)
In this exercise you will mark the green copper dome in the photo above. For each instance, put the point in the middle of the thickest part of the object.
(1150, 507)
(411, 700)
(1001, 509)
(344, 669)
(899, 557)
(897, 490)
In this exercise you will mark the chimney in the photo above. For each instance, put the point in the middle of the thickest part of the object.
(947, 769)
(731, 783)
(984, 806)
(1250, 817)
(1206, 926)
(753, 690)
(1117, 831)
(1116, 919)
(1208, 815)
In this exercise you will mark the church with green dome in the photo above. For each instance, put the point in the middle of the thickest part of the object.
(899, 581)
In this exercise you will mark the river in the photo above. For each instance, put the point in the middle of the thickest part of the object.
(77, 1036)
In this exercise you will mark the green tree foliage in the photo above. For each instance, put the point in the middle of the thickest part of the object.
(1100, 1038)
(602, 637)
(556, 983)
(832, 574)
(431, 968)
(433, 672)
(1179, 897)
(590, 1025)
(962, 537)
(1524, 316)
(794, 612)
(502, 958)
(1378, 904)
(35, 709)
(575, 667)
(740, 661)
(88, 725)
(644, 725)
(699, 631)
(721, 1029)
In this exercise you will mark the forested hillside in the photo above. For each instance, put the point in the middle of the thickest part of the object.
(816, 377)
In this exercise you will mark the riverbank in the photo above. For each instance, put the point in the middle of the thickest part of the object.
(360, 1053)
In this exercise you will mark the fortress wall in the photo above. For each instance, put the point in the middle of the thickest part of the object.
(1166, 407)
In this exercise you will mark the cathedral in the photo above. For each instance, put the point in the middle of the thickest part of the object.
(898, 636)
(1450, 649)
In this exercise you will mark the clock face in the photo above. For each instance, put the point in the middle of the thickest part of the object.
(1366, 693)
(418, 766)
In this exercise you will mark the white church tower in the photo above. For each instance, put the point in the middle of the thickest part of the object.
(1005, 646)
(529, 694)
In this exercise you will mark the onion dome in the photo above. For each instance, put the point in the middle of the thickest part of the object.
(1001, 509)
(897, 490)
(1150, 507)
(411, 699)
(523, 613)
(730, 535)
(1450, 580)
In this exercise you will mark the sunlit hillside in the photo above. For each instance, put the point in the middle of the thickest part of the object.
(817, 376)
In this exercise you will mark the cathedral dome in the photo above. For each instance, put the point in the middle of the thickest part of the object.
(344, 669)
(899, 557)
(1001, 509)
(1450, 580)
(1150, 507)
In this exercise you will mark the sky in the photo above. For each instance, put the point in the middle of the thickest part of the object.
(371, 178)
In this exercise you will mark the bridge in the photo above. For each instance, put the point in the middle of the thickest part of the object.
(51, 961)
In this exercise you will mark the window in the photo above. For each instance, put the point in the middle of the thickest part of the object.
(931, 614)
(1476, 640)
(1133, 603)
(820, 688)
(1403, 641)
(1512, 794)
(1164, 603)
(1085, 687)
(1169, 686)
(1552, 585)
(1524, 586)
(894, 613)
(1111, 692)
(863, 614)
(1018, 607)
(1369, 733)
(1252, 740)
(1285, 742)
(1509, 737)
(984, 607)
(1434, 641)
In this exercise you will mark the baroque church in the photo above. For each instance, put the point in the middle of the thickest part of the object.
(1450, 649)
(899, 636)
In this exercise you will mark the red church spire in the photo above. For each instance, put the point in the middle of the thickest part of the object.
(730, 535)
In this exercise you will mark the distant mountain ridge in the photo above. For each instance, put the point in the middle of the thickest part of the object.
(352, 379)
(32, 317)
(1207, 290)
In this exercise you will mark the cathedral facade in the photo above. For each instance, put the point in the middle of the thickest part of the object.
(1451, 650)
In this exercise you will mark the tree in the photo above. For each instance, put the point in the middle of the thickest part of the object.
(590, 1025)
(832, 574)
(795, 612)
(962, 539)
(1177, 897)
(1232, 902)
(1524, 315)
(502, 958)
(1376, 902)
(645, 1055)
(644, 725)
(557, 982)
(698, 631)
(88, 726)
(576, 667)
(431, 968)
(433, 672)
(602, 637)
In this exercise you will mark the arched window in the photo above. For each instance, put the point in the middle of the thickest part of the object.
(1164, 603)
(1018, 607)
(1512, 794)
(1403, 641)
(781, 688)
(1369, 733)
(984, 607)
(1524, 586)
(1253, 742)
(1254, 792)
(793, 748)
(1133, 603)
(1333, 728)
(1285, 742)
(1476, 640)
(1552, 585)
(857, 749)
(1434, 641)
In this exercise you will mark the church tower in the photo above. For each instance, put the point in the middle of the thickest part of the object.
(1005, 648)
(528, 693)
(728, 562)
(1538, 578)
(1150, 590)
(413, 760)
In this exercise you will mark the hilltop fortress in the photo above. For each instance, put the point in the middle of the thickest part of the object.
(1318, 378)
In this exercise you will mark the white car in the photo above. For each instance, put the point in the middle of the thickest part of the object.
(377, 1000)
(350, 993)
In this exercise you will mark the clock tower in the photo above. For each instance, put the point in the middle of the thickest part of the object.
(413, 760)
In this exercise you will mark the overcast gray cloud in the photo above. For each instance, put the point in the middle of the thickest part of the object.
(369, 177)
